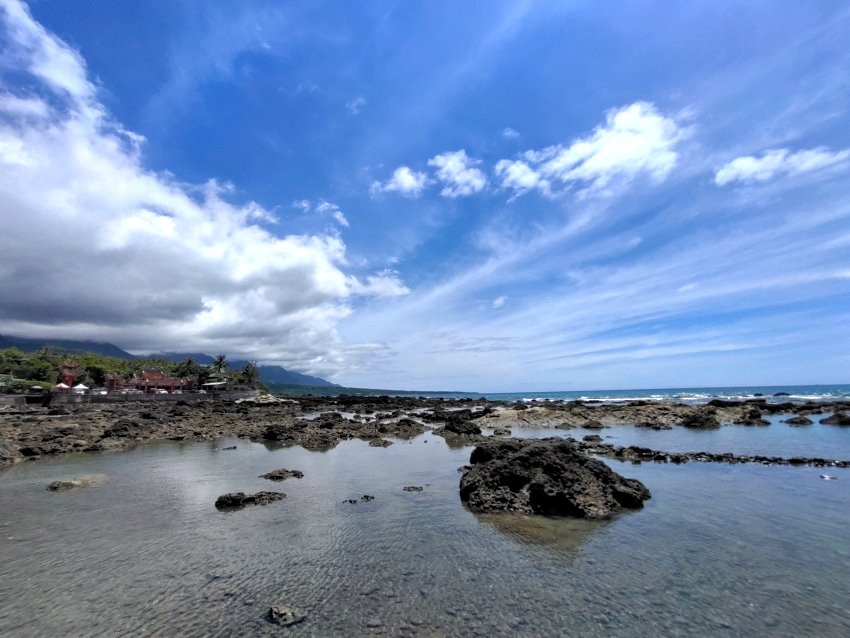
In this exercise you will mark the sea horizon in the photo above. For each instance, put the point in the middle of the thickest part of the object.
(697, 394)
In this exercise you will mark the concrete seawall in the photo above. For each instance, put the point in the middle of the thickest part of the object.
(64, 399)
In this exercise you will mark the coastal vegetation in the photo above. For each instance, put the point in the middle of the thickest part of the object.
(21, 371)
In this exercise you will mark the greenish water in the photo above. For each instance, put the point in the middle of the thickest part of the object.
(719, 550)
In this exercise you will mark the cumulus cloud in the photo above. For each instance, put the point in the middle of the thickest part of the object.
(457, 172)
(97, 246)
(509, 133)
(520, 177)
(778, 162)
(498, 302)
(356, 105)
(404, 181)
(634, 141)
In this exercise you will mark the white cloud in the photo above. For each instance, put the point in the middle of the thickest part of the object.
(97, 246)
(302, 204)
(327, 208)
(776, 162)
(356, 105)
(520, 177)
(510, 134)
(24, 107)
(385, 283)
(498, 302)
(635, 141)
(457, 171)
(404, 181)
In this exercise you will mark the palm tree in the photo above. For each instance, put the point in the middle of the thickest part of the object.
(251, 373)
(219, 364)
(187, 368)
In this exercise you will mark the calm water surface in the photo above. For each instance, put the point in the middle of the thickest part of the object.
(719, 550)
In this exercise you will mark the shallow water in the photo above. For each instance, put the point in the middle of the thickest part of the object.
(777, 439)
(718, 550)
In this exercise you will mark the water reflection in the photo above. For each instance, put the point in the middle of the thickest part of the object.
(564, 536)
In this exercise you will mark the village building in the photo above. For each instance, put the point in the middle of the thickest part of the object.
(153, 379)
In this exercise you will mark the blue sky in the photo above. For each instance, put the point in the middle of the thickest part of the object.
(435, 195)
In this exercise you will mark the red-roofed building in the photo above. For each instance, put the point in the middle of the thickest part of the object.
(153, 379)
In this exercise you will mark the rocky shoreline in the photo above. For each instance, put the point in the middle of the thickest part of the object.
(318, 423)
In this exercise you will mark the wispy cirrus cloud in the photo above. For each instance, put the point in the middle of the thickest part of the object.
(778, 162)
(356, 105)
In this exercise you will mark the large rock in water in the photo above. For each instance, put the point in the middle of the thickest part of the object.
(839, 418)
(701, 420)
(282, 474)
(240, 499)
(552, 477)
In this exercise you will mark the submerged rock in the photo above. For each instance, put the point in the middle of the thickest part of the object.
(593, 425)
(799, 420)
(86, 480)
(839, 418)
(240, 499)
(380, 443)
(552, 477)
(282, 474)
(592, 438)
(650, 425)
(284, 616)
(413, 488)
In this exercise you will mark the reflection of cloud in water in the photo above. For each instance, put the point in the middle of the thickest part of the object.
(559, 535)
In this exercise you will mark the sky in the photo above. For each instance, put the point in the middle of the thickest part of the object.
(483, 196)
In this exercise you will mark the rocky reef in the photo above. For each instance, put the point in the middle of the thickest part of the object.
(319, 423)
(235, 500)
(552, 477)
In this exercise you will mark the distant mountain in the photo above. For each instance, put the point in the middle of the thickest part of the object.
(271, 374)
(69, 345)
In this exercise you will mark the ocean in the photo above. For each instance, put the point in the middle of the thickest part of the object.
(793, 393)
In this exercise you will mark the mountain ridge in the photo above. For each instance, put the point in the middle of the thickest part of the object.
(268, 373)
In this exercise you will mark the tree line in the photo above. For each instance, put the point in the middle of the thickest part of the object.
(42, 367)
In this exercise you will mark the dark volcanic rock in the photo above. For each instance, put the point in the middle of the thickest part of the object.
(593, 425)
(552, 477)
(592, 438)
(702, 420)
(380, 443)
(752, 417)
(649, 425)
(240, 499)
(413, 488)
(799, 420)
(282, 474)
(59, 486)
(839, 418)
(125, 428)
(460, 426)
(284, 616)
